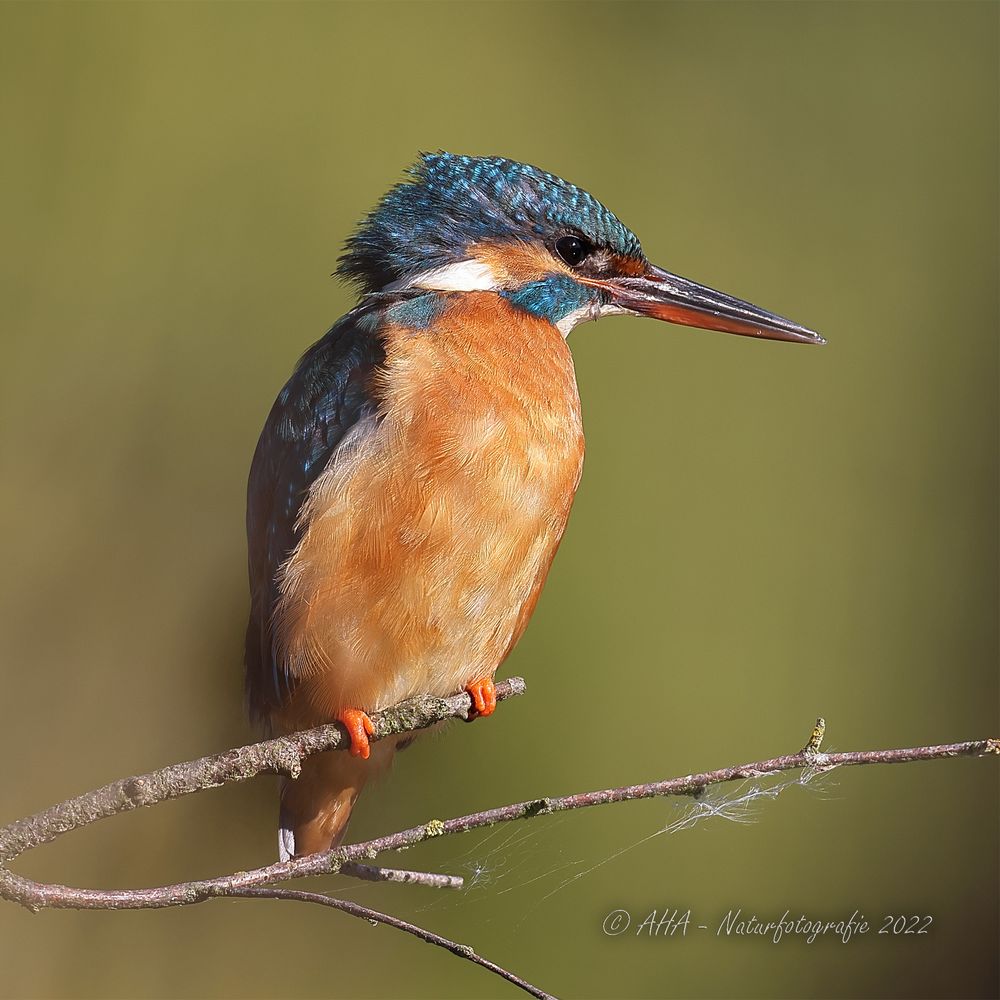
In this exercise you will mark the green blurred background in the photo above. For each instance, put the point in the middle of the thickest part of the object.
(763, 533)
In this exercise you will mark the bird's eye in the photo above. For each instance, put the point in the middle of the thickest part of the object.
(573, 250)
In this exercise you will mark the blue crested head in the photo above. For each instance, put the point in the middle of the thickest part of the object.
(451, 203)
(550, 249)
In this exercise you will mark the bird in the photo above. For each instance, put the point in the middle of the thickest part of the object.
(415, 475)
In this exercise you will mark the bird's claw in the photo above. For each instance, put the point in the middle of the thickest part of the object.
(360, 727)
(484, 696)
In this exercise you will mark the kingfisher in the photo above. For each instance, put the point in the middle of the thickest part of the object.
(415, 475)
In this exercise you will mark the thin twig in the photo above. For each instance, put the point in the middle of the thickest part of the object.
(375, 917)
(374, 873)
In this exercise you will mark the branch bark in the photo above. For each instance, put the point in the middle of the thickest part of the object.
(285, 756)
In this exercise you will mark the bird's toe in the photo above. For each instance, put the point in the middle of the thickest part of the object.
(360, 727)
(484, 696)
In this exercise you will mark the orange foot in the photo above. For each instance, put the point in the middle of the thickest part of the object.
(484, 696)
(360, 727)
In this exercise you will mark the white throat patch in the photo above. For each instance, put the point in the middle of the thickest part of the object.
(591, 311)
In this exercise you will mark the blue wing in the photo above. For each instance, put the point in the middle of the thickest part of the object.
(328, 393)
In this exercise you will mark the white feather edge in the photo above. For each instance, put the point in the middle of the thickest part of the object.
(591, 311)
(462, 276)
(286, 844)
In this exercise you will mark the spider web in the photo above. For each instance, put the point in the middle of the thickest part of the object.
(538, 858)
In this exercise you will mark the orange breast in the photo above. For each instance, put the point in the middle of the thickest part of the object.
(428, 538)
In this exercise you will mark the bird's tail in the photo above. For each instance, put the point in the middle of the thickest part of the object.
(316, 806)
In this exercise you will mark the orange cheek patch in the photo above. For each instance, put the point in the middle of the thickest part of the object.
(517, 263)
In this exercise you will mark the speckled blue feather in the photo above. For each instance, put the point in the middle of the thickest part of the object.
(416, 313)
(451, 202)
(553, 297)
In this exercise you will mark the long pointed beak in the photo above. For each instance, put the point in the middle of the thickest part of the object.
(667, 296)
